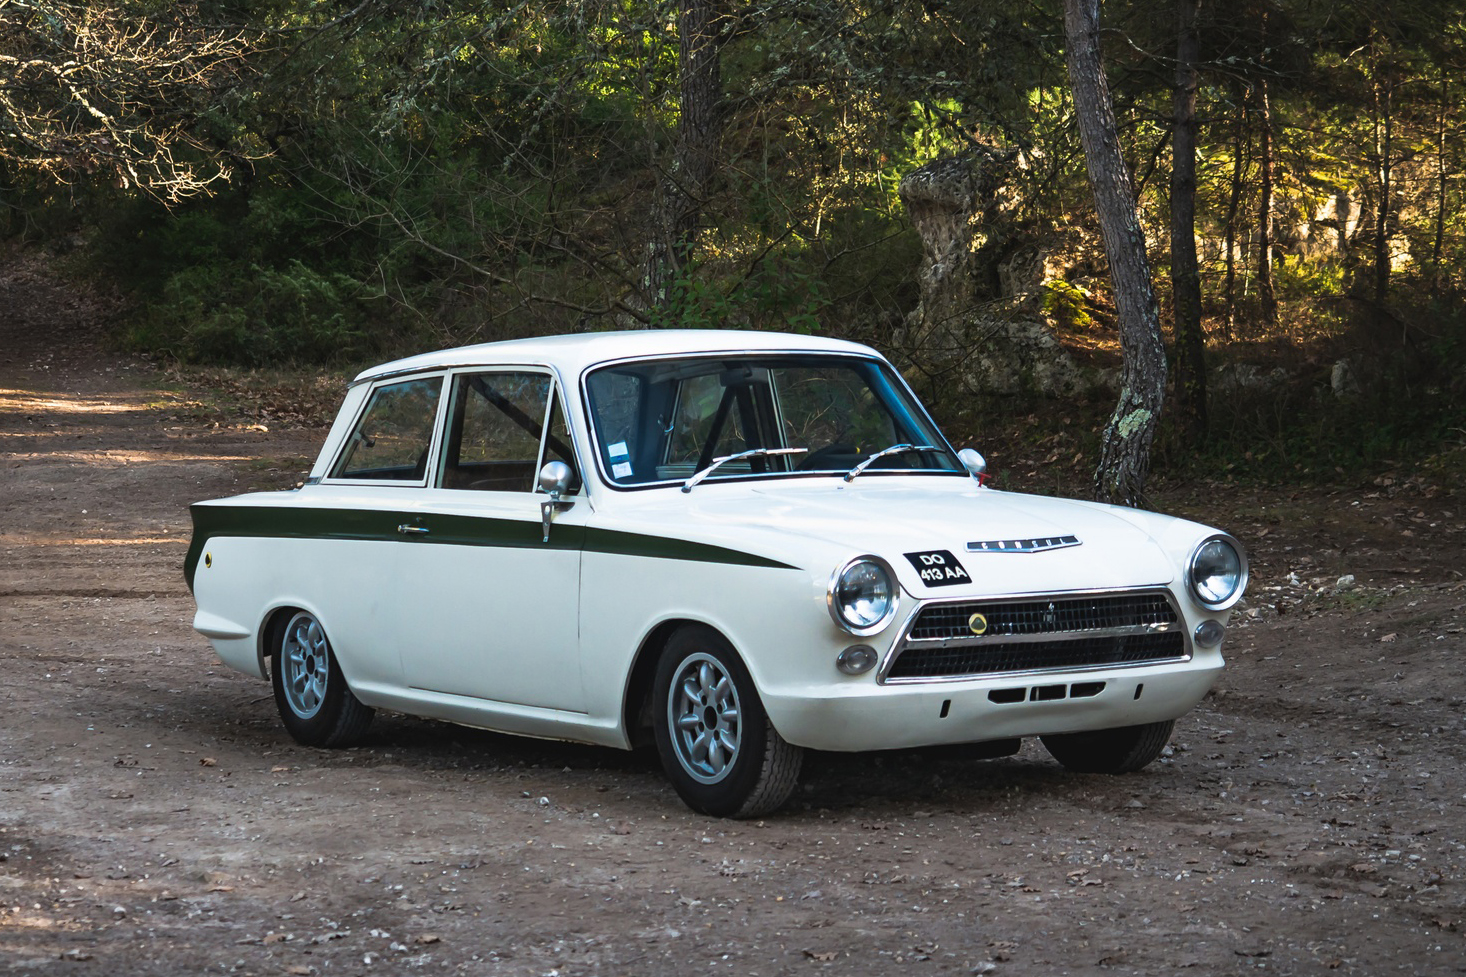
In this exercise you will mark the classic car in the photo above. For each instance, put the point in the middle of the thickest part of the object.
(735, 545)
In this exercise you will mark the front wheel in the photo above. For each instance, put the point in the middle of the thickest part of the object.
(1121, 750)
(311, 693)
(716, 744)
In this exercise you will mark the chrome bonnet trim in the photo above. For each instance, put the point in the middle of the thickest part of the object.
(1036, 545)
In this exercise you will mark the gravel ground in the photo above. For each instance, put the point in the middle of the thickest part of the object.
(1310, 815)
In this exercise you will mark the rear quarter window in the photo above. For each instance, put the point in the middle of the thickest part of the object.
(392, 439)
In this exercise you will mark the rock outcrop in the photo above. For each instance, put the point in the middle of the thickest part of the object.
(980, 279)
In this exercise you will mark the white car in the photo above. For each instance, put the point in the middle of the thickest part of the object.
(739, 545)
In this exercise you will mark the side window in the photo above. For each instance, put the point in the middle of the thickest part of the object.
(391, 440)
(496, 422)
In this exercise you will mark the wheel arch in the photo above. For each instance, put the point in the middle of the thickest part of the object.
(636, 702)
(271, 625)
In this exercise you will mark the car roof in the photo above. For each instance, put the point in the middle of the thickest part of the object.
(575, 353)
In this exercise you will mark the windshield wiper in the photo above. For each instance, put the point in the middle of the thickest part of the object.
(892, 450)
(754, 453)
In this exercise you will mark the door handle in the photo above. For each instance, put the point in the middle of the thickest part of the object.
(406, 530)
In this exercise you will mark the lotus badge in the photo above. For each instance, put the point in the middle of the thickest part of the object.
(977, 624)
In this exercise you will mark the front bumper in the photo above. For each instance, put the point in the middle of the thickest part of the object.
(857, 715)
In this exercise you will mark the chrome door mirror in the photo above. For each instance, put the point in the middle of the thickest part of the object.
(555, 479)
(974, 462)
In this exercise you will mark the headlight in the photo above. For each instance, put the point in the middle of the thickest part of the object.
(1217, 572)
(862, 597)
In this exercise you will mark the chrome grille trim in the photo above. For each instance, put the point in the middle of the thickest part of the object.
(1043, 614)
(978, 641)
(1116, 625)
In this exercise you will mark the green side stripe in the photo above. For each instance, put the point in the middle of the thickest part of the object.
(276, 522)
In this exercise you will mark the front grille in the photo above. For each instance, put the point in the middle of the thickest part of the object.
(988, 659)
(1043, 616)
(947, 640)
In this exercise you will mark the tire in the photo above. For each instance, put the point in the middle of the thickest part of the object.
(316, 705)
(721, 753)
(1122, 750)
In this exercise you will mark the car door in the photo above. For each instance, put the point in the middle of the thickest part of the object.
(341, 555)
(490, 605)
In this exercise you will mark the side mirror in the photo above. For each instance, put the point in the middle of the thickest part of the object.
(974, 462)
(555, 479)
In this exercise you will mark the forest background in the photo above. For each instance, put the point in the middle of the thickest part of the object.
(323, 184)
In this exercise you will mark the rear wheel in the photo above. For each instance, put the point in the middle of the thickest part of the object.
(716, 744)
(311, 693)
(1121, 750)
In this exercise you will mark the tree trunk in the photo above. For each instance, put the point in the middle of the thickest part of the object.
(684, 185)
(1265, 291)
(1185, 275)
(1438, 246)
(1384, 132)
(1125, 452)
(1234, 205)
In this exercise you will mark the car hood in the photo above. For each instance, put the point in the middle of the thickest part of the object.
(817, 525)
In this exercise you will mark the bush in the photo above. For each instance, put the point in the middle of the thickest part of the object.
(245, 314)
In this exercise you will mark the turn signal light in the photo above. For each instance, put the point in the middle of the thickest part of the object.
(856, 660)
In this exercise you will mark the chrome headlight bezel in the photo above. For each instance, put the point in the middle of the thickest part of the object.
(835, 604)
(1235, 594)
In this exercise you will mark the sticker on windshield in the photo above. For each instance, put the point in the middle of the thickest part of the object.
(618, 450)
(621, 469)
(939, 568)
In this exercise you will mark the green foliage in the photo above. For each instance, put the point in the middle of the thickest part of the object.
(439, 173)
(254, 316)
(777, 296)
(249, 278)
(1295, 275)
(1064, 302)
(1406, 402)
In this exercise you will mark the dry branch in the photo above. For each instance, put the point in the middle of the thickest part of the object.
(94, 90)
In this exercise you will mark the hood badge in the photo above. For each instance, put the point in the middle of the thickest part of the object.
(977, 624)
(1022, 545)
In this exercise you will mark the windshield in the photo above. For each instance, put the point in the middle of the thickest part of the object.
(663, 421)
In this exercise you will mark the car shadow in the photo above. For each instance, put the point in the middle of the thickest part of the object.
(885, 784)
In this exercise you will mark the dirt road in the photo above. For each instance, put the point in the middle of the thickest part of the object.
(155, 819)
